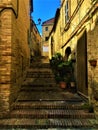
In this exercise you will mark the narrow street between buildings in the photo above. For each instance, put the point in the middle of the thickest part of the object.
(42, 104)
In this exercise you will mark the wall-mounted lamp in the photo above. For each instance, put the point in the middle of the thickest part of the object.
(39, 22)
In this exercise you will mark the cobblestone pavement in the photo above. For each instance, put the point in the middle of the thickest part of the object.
(43, 105)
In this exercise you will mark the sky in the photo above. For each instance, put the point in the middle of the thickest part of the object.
(44, 9)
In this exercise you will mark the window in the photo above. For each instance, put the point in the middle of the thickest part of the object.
(67, 12)
(46, 28)
(46, 38)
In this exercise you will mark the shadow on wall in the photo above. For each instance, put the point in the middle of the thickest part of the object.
(94, 86)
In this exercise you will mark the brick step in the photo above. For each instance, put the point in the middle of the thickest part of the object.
(39, 76)
(31, 99)
(40, 70)
(39, 84)
(28, 89)
(40, 96)
(36, 84)
(47, 105)
(90, 124)
(39, 65)
(45, 85)
(54, 113)
(48, 71)
(48, 96)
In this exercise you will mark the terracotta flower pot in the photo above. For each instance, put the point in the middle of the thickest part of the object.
(93, 62)
(63, 84)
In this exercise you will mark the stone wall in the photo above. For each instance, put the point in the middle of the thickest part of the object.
(93, 71)
(81, 34)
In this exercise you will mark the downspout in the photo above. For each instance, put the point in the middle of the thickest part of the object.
(11, 8)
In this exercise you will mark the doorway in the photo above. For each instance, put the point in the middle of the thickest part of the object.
(82, 84)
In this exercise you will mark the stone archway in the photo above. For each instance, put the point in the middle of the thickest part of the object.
(82, 85)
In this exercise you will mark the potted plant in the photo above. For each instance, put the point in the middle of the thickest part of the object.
(55, 61)
(65, 70)
(63, 82)
(58, 78)
(88, 107)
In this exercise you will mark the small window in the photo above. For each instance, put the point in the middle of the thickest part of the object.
(46, 38)
(46, 28)
(66, 12)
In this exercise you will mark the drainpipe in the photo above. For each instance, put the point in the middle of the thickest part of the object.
(11, 8)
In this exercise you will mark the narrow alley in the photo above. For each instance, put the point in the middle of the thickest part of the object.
(42, 45)
(42, 104)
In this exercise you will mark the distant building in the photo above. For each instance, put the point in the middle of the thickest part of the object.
(14, 49)
(46, 29)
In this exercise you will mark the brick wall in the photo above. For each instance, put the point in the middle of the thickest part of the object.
(14, 53)
(35, 45)
(5, 60)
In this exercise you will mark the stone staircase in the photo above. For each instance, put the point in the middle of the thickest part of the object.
(42, 104)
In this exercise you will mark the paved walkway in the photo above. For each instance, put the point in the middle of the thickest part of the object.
(42, 104)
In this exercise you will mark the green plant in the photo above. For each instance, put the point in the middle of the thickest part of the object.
(61, 69)
(64, 68)
(55, 60)
(88, 107)
(66, 79)
(72, 79)
(58, 78)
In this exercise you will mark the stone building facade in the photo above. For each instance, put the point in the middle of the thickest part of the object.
(35, 46)
(14, 49)
(76, 27)
(46, 29)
